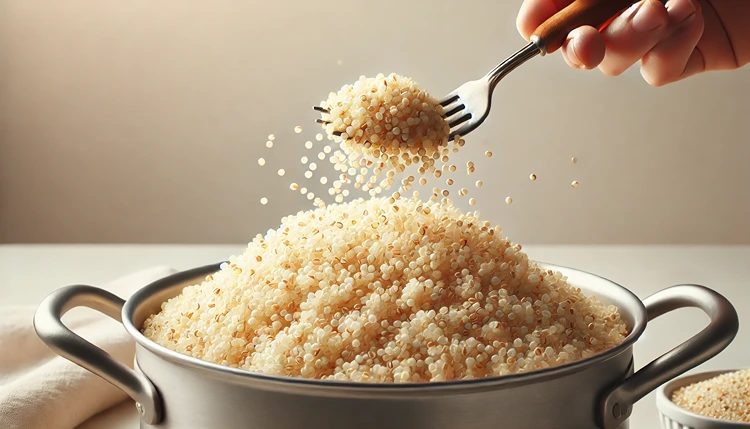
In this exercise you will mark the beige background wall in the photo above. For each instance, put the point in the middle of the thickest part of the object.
(142, 122)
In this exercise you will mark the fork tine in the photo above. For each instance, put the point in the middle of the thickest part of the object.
(461, 131)
(460, 120)
(448, 100)
(454, 110)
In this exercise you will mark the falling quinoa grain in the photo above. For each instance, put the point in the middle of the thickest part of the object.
(508, 200)
(479, 184)
(281, 172)
(269, 144)
(264, 200)
(574, 184)
(574, 160)
(271, 137)
(532, 176)
(488, 154)
(261, 162)
(297, 129)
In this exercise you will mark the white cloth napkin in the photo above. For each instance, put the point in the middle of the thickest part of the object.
(41, 390)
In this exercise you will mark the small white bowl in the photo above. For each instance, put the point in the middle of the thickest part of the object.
(675, 417)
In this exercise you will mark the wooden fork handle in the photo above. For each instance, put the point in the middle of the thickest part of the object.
(596, 13)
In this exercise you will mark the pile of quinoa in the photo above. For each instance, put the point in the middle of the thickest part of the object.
(386, 291)
(385, 124)
(725, 397)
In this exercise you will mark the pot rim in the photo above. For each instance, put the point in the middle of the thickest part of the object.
(668, 408)
(635, 309)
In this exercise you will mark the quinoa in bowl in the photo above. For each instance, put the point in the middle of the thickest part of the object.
(725, 397)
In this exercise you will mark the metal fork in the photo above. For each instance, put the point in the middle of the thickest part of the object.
(469, 105)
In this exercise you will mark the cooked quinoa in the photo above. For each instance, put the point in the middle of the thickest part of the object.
(725, 397)
(383, 125)
(385, 290)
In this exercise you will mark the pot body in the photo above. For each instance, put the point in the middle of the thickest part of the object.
(198, 399)
(174, 391)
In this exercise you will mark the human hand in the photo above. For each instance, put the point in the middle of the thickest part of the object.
(672, 42)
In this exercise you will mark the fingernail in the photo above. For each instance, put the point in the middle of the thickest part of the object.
(647, 17)
(572, 56)
(680, 10)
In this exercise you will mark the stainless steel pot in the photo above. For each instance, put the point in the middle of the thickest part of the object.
(179, 392)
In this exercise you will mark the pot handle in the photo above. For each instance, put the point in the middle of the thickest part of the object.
(61, 340)
(724, 324)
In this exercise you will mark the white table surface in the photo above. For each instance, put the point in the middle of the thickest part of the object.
(642, 269)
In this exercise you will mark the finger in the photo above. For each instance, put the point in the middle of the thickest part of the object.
(633, 34)
(676, 57)
(716, 43)
(584, 48)
(533, 13)
(680, 10)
